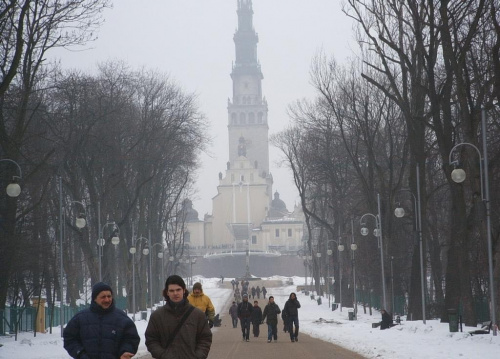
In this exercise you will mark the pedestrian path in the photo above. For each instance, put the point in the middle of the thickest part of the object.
(228, 344)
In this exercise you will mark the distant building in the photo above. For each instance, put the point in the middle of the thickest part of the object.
(244, 208)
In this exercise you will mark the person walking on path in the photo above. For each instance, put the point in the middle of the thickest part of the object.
(233, 283)
(264, 291)
(256, 318)
(233, 312)
(237, 296)
(271, 312)
(257, 291)
(178, 320)
(101, 331)
(291, 308)
(284, 317)
(245, 310)
(202, 301)
(252, 290)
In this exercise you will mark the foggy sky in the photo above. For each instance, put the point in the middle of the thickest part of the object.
(192, 41)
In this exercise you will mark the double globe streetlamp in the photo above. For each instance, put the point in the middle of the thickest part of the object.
(458, 175)
(162, 257)
(13, 189)
(400, 212)
(132, 251)
(79, 223)
(329, 252)
(101, 242)
(377, 233)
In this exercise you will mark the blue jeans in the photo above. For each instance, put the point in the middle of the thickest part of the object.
(291, 321)
(245, 327)
(272, 331)
(235, 322)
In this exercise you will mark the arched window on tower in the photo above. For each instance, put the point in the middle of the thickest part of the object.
(251, 118)
(260, 116)
(244, 100)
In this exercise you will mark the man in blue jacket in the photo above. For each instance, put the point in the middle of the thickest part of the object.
(102, 331)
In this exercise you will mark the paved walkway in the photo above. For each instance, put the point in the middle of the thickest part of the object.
(227, 342)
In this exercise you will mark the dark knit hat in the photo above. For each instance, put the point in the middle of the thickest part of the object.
(98, 288)
(197, 285)
(175, 279)
(245, 295)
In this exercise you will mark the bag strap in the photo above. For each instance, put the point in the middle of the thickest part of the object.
(183, 319)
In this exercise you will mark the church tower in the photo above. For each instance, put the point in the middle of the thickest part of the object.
(245, 190)
(247, 112)
(245, 218)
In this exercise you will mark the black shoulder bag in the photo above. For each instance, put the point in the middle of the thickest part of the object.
(183, 319)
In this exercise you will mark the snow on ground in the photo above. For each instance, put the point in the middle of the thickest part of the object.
(411, 340)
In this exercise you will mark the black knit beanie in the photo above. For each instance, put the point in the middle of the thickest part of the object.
(98, 288)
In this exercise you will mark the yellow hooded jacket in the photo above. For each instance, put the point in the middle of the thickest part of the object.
(203, 303)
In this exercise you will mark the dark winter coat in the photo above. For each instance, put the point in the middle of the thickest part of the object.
(100, 333)
(256, 315)
(291, 307)
(386, 320)
(271, 312)
(193, 340)
(245, 309)
(233, 311)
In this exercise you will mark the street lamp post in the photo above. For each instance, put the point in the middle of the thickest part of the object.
(148, 251)
(392, 287)
(400, 212)
(80, 223)
(162, 257)
(458, 176)
(354, 247)
(329, 252)
(378, 234)
(133, 250)
(13, 189)
(101, 242)
(193, 261)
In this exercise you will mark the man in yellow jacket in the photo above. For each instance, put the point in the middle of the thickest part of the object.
(201, 301)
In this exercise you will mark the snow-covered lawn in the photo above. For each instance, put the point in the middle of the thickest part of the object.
(409, 340)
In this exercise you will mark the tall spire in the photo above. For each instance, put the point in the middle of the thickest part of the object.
(247, 112)
(245, 37)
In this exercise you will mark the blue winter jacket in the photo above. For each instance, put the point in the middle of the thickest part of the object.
(98, 333)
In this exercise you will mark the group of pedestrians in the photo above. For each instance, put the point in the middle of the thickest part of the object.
(106, 332)
(252, 292)
(253, 314)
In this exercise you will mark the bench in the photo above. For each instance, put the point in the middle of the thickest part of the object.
(485, 329)
(377, 325)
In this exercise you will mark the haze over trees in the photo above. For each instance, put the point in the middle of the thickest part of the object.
(123, 143)
(424, 73)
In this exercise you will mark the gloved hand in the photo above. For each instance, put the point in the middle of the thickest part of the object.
(210, 324)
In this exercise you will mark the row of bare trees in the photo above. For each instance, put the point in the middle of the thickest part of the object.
(123, 143)
(424, 73)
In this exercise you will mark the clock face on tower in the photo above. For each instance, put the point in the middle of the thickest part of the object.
(247, 86)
